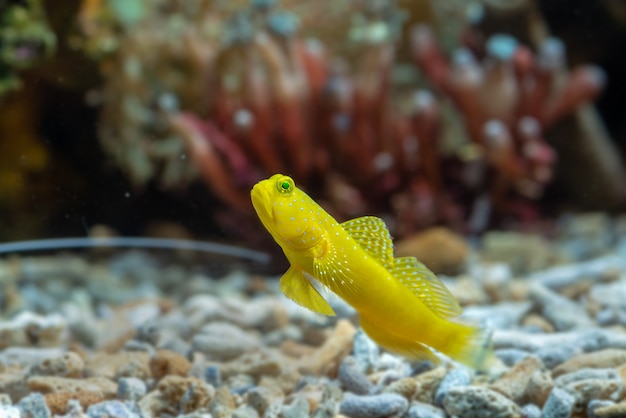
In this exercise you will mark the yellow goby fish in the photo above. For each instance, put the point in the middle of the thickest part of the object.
(402, 305)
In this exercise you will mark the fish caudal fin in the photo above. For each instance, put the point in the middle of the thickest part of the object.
(471, 346)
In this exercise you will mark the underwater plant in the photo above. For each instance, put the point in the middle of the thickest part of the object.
(234, 94)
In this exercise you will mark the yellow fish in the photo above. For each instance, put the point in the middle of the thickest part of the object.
(402, 305)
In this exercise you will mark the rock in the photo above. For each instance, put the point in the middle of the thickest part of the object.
(373, 406)
(560, 404)
(428, 383)
(611, 411)
(189, 392)
(352, 378)
(299, 408)
(500, 316)
(123, 363)
(213, 376)
(255, 364)
(440, 249)
(522, 252)
(58, 402)
(514, 383)
(478, 402)
(69, 365)
(365, 351)
(222, 404)
(423, 410)
(511, 356)
(597, 360)
(455, 378)
(326, 359)
(558, 354)
(583, 374)
(51, 384)
(34, 406)
(245, 412)
(31, 330)
(8, 411)
(260, 398)
(406, 387)
(589, 389)
(110, 409)
(563, 313)
(165, 362)
(130, 389)
(530, 411)
(224, 341)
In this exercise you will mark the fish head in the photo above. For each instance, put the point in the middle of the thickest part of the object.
(287, 212)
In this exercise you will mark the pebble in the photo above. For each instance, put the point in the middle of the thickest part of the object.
(352, 378)
(455, 378)
(299, 408)
(511, 356)
(28, 329)
(373, 406)
(500, 316)
(478, 402)
(34, 406)
(609, 411)
(223, 341)
(563, 313)
(514, 383)
(560, 404)
(109, 409)
(327, 357)
(530, 411)
(597, 360)
(130, 389)
(424, 410)
(365, 351)
(8, 411)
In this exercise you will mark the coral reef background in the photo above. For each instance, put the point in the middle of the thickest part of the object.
(467, 114)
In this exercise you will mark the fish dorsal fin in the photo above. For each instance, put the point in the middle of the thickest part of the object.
(372, 235)
(299, 289)
(426, 286)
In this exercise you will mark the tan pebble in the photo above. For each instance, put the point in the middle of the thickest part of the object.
(53, 384)
(588, 389)
(326, 359)
(518, 290)
(255, 364)
(599, 359)
(537, 321)
(57, 402)
(428, 383)
(166, 362)
(295, 349)
(222, 403)
(312, 393)
(539, 387)
(172, 389)
(68, 365)
(440, 249)
(405, 387)
(611, 411)
(108, 365)
(514, 383)
(286, 382)
(468, 292)
(154, 405)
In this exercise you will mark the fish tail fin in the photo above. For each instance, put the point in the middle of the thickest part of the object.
(470, 345)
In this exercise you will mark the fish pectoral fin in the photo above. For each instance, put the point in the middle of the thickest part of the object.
(372, 235)
(405, 347)
(298, 288)
(424, 284)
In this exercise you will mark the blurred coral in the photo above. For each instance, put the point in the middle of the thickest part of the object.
(243, 94)
(25, 39)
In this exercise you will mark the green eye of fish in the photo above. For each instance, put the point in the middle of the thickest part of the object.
(285, 185)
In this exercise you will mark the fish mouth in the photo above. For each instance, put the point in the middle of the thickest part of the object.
(261, 202)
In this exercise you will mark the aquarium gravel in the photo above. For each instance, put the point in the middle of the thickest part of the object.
(127, 334)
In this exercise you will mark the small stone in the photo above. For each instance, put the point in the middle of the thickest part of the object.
(165, 362)
(539, 387)
(254, 364)
(213, 376)
(584, 374)
(596, 404)
(110, 409)
(530, 411)
(600, 359)
(8, 411)
(190, 392)
(560, 404)
(59, 402)
(556, 355)
(563, 313)
(224, 341)
(260, 398)
(299, 408)
(428, 383)
(130, 389)
(31, 330)
(365, 351)
(245, 412)
(406, 387)
(51, 384)
(478, 402)
(352, 378)
(326, 359)
(34, 406)
(611, 411)
(511, 356)
(514, 383)
(441, 250)
(69, 365)
(533, 321)
(373, 406)
(423, 410)
(454, 378)
(110, 365)
(588, 389)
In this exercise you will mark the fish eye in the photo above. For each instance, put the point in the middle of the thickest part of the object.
(285, 185)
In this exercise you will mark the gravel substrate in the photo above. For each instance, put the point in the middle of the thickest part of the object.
(126, 335)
